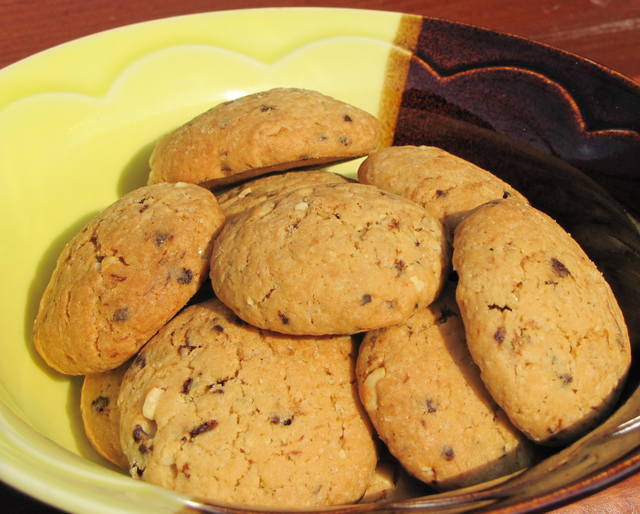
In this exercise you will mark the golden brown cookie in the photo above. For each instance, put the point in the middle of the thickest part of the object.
(329, 259)
(541, 322)
(124, 276)
(273, 130)
(221, 410)
(251, 193)
(445, 185)
(424, 396)
(101, 415)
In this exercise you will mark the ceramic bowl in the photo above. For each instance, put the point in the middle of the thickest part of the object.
(78, 123)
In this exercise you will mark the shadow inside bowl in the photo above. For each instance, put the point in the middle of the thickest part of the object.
(136, 172)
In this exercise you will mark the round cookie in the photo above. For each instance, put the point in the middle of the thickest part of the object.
(251, 193)
(446, 185)
(101, 415)
(128, 272)
(541, 321)
(367, 259)
(273, 130)
(424, 396)
(221, 410)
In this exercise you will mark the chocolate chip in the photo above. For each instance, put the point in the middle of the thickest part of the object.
(100, 403)
(139, 434)
(559, 268)
(440, 193)
(431, 407)
(274, 420)
(218, 328)
(185, 276)
(499, 334)
(187, 347)
(501, 308)
(447, 452)
(277, 420)
(203, 427)
(365, 299)
(347, 118)
(139, 470)
(344, 140)
(118, 278)
(186, 385)
(143, 208)
(287, 422)
(323, 138)
(121, 314)
(283, 318)
(506, 194)
(185, 470)
(162, 238)
(143, 448)
(266, 108)
(394, 224)
(566, 378)
(399, 265)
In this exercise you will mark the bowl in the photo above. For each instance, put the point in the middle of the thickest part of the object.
(79, 121)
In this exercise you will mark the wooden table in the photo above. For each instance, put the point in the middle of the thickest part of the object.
(606, 31)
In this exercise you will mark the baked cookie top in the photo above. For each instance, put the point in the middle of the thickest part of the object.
(542, 323)
(216, 408)
(240, 198)
(279, 129)
(124, 276)
(446, 185)
(101, 415)
(329, 259)
(424, 396)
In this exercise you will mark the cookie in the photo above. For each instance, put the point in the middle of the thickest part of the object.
(541, 321)
(101, 415)
(124, 276)
(218, 409)
(251, 193)
(369, 257)
(424, 396)
(447, 186)
(273, 130)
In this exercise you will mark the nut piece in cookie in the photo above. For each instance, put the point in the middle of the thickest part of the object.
(369, 258)
(424, 396)
(240, 198)
(101, 415)
(221, 410)
(447, 186)
(279, 129)
(541, 321)
(124, 276)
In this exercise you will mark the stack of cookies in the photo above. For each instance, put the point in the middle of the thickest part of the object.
(412, 312)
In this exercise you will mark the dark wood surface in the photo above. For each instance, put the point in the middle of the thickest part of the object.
(606, 31)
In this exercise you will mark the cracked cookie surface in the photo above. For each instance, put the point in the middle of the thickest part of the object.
(251, 193)
(273, 130)
(124, 276)
(219, 409)
(446, 185)
(329, 259)
(101, 415)
(541, 321)
(424, 396)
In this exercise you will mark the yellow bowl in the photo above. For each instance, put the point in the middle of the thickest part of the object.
(78, 123)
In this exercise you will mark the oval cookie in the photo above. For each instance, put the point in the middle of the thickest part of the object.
(119, 280)
(446, 185)
(221, 410)
(279, 129)
(424, 396)
(251, 193)
(329, 259)
(541, 322)
(101, 415)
